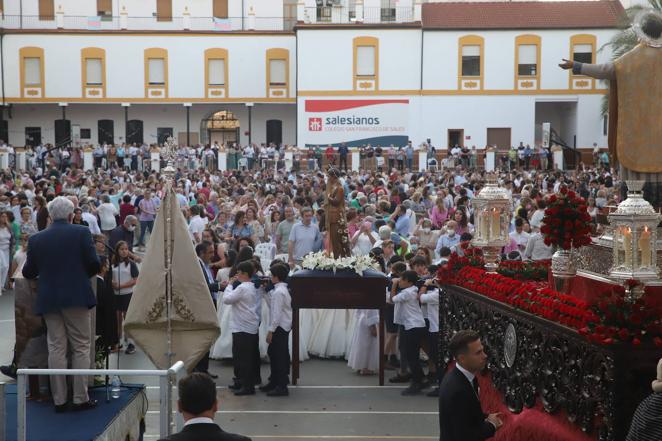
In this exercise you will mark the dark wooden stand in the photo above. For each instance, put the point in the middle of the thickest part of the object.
(344, 290)
(598, 386)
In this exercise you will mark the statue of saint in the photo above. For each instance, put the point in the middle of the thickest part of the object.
(635, 105)
(334, 210)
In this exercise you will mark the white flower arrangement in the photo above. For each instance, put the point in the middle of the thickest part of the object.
(321, 261)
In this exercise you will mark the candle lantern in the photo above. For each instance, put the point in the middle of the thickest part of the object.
(491, 219)
(635, 235)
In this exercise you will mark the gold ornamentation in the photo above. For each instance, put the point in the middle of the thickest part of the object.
(471, 84)
(157, 310)
(93, 92)
(159, 306)
(215, 92)
(365, 85)
(182, 310)
(32, 92)
(582, 83)
(156, 92)
(277, 93)
(526, 84)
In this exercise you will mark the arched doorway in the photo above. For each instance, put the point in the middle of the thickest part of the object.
(221, 127)
(274, 131)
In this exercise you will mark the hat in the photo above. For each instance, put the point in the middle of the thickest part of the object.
(648, 27)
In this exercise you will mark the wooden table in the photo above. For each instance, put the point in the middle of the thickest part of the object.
(343, 290)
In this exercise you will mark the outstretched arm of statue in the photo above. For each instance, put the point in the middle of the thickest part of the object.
(605, 71)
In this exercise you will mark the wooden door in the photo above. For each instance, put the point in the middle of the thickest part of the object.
(194, 138)
(499, 137)
(221, 8)
(46, 10)
(164, 10)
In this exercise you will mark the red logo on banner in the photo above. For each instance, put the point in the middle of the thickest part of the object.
(315, 124)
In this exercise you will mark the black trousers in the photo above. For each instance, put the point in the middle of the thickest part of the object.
(413, 338)
(279, 357)
(433, 342)
(244, 346)
(343, 162)
(402, 348)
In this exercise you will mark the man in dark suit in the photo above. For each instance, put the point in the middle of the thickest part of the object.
(198, 405)
(205, 252)
(461, 416)
(63, 258)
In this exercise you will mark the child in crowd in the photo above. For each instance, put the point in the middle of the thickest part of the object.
(425, 283)
(414, 327)
(244, 326)
(280, 324)
(397, 269)
(125, 276)
(429, 298)
(364, 351)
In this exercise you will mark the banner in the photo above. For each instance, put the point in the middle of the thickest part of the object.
(356, 122)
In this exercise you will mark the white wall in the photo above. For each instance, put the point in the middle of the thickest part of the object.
(326, 58)
(153, 117)
(441, 57)
(125, 63)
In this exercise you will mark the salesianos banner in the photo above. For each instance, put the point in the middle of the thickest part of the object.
(356, 122)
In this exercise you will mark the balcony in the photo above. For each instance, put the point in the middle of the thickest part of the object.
(151, 23)
(351, 15)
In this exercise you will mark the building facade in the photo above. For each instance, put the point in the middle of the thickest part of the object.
(302, 73)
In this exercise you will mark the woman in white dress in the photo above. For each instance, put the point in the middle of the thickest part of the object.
(6, 247)
(223, 346)
(364, 350)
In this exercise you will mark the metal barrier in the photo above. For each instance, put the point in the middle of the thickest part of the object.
(176, 371)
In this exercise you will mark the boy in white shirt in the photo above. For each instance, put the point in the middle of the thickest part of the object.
(244, 325)
(429, 297)
(280, 324)
(414, 325)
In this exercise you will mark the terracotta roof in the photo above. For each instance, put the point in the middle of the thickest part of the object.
(523, 15)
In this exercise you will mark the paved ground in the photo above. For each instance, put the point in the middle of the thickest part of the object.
(330, 402)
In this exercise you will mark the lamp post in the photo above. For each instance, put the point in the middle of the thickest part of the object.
(492, 217)
(126, 122)
(635, 236)
(188, 123)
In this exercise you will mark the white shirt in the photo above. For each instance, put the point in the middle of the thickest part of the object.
(536, 218)
(466, 373)
(430, 301)
(199, 420)
(411, 315)
(107, 213)
(197, 225)
(244, 312)
(280, 308)
(92, 222)
(536, 248)
(521, 238)
(363, 244)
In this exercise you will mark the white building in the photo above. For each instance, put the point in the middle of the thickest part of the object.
(307, 73)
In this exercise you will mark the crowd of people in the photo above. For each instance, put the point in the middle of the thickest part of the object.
(409, 222)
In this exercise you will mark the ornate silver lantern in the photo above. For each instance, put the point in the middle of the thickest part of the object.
(169, 153)
(635, 224)
(492, 221)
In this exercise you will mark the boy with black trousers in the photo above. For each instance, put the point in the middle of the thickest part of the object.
(244, 325)
(414, 327)
(280, 324)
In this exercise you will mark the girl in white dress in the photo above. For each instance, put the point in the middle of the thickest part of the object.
(223, 346)
(364, 351)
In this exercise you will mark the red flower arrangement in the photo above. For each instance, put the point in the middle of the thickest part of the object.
(472, 257)
(608, 321)
(619, 321)
(566, 223)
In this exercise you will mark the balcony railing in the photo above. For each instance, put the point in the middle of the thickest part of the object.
(345, 15)
(107, 23)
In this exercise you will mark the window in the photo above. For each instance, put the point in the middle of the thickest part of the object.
(471, 61)
(582, 53)
(85, 133)
(94, 71)
(527, 60)
(216, 72)
(365, 61)
(46, 10)
(32, 72)
(163, 10)
(220, 8)
(277, 72)
(156, 69)
(106, 131)
(105, 8)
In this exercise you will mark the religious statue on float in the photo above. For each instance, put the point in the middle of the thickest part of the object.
(334, 211)
(635, 105)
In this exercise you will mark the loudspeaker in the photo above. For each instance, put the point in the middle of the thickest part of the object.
(62, 132)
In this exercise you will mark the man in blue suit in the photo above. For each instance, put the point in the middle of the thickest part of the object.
(63, 258)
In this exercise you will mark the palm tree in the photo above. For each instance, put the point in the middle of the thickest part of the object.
(626, 39)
